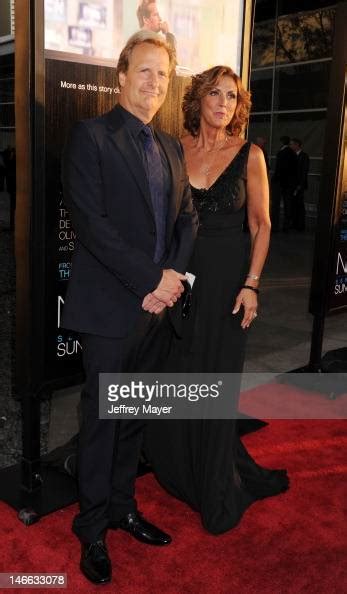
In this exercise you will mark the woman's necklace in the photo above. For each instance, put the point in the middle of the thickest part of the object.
(206, 168)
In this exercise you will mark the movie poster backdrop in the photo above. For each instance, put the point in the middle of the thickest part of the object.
(338, 284)
(82, 42)
(328, 292)
(73, 91)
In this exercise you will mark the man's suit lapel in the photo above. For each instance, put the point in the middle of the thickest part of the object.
(126, 147)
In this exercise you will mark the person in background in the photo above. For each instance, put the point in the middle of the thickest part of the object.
(149, 20)
(283, 185)
(298, 200)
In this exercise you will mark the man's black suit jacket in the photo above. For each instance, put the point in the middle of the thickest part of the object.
(303, 164)
(286, 168)
(106, 191)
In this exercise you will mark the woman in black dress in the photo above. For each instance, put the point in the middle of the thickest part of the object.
(204, 462)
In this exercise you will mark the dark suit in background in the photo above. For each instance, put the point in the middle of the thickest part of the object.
(283, 185)
(298, 204)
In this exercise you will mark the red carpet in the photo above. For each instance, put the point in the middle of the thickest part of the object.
(293, 543)
(280, 401)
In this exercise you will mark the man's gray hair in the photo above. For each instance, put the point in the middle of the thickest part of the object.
(143, 36)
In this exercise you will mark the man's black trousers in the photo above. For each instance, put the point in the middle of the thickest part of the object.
(109, 450)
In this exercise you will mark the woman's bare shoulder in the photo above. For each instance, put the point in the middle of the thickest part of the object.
(255, 152)
(256, 161)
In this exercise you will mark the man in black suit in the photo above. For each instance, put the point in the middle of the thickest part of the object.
(303, 167)
(283, 185)
(128, 194)
(149, 20)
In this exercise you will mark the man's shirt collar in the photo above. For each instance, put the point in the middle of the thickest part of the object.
(134, 124)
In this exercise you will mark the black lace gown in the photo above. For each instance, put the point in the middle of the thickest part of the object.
(203, 462)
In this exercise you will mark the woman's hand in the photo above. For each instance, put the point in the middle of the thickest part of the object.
(249, 300)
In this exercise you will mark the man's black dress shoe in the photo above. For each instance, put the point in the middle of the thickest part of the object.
(142, 530)
(95, 562)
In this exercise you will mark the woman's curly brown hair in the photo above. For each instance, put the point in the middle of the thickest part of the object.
(200, 86)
